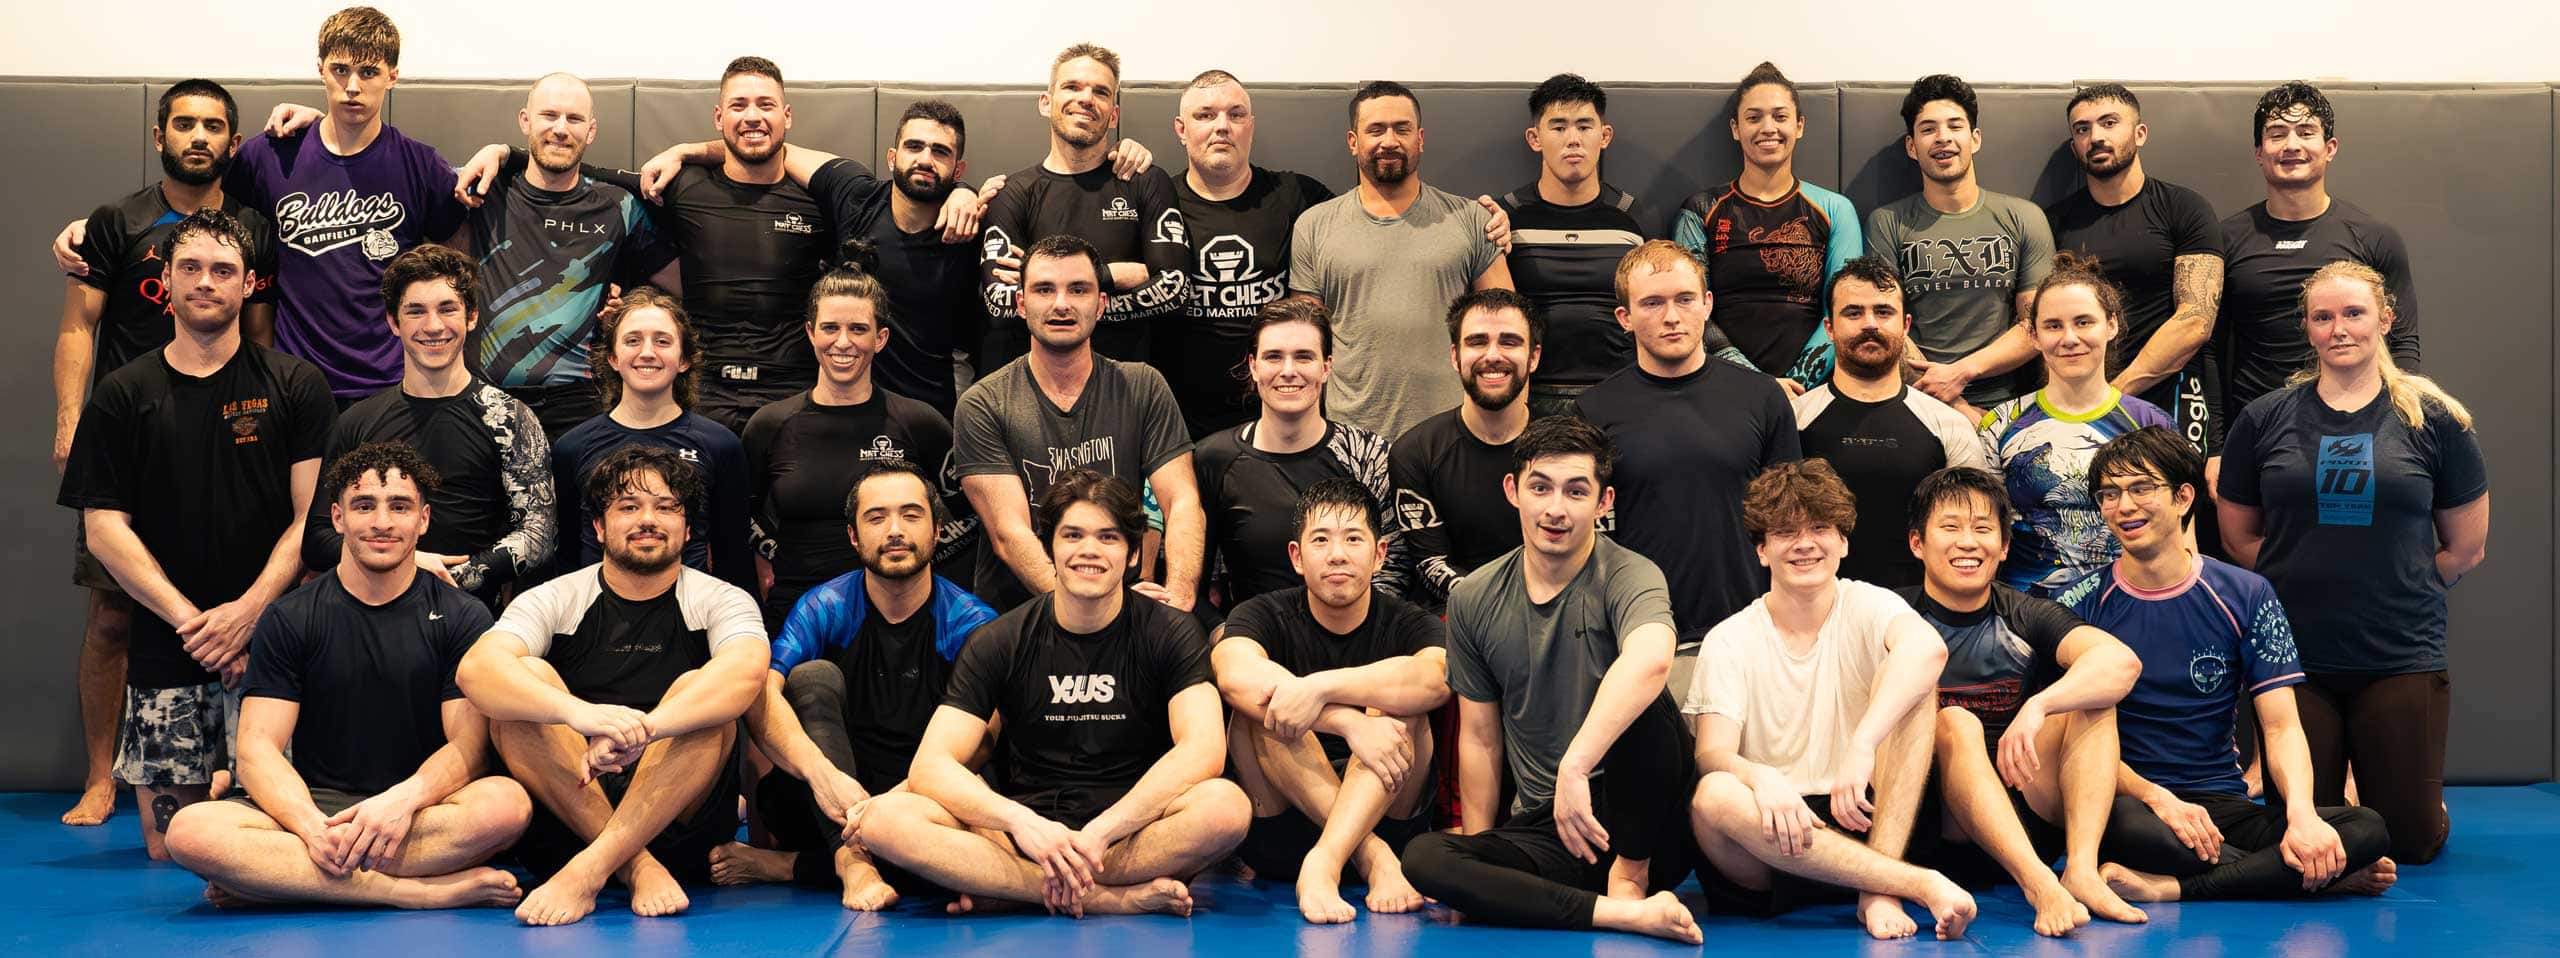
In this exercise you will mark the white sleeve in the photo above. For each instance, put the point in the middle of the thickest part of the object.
(1962, 440)
(546, 610)
(1875, 609)
(722, 611)
(1809, 405)
(1719, 682)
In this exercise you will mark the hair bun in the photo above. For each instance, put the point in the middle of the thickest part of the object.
(858, 254)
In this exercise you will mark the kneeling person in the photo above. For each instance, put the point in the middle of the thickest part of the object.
(639, 796)
(1112, 739)
(381, 801)
(1333, 685)
(2013, 661)
(1804, 699)
(858, 671)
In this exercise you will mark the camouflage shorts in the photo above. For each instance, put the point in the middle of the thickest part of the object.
(177, 736)
(86, 571)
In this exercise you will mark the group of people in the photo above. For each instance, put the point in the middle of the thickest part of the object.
(546, 515)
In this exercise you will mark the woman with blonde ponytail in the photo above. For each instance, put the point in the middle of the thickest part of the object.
(2360, 492)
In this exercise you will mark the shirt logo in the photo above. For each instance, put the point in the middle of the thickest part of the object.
(1169, 227)
(882, 449)
(435, 616)
(993, 245)
(1119, 210)
(2208, 670)
(1972, 262)
(242, 417)
(1227, 258)
(689, 455)
(794, 223)
(318, 224)
(2292, 244)
(2345, 489)
(1080, 689)
(1415, 510)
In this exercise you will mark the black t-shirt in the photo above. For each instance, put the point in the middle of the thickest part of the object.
(750, 253)
(371, 680)
(1687, 448)
(716, 537)
(616, 651)
(1240, 261)
(802, 458)
(122, 248)
(495, 503)
(205, 468)
(1127, 221)
(1083, 714)
(1288, 632)
(933, 285)
(2347, 501)
(2258, 337)
(1997, 655)
(1449, 510)
(1251, 497)
(1565, 259)
(1882, 450)
(2138, 244)
(894, 680)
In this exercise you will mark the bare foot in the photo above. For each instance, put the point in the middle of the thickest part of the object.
(220, 897)
(2103, 902)
(961, 905)
(565, 899)
(1951, 905)
(2057, 912)
(1320, 896)
(2138, 886)
(221, 784)
(470, 888)
(2373, 879)
(968, 905)
(1884, 918)
(873, 895)
(1163, 896)
(1664, 916)
(654, 893)
(741, 864)
(96, 803)
(1389, 892)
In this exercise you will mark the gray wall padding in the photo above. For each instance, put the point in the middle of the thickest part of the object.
(2467, 173)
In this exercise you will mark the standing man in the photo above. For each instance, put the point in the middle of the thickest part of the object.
(1881, 436)
(1968, 257)
(1573, 229)
(2276, 244)
(1385, 255)
(192, 468)
(1061, 408)
(116, 308)
(1445, 470)
(1132, 224)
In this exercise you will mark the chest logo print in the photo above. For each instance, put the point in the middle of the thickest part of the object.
(1080, 689)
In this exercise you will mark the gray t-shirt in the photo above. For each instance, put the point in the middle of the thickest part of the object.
(1389, 282)
(1962, 272)
(1125, 425)
(1542, 663)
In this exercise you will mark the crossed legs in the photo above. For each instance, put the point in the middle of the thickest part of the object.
(1281, 775)
(1140, 874)
(245, 857)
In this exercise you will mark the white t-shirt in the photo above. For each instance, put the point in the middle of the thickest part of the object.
(1798, 712)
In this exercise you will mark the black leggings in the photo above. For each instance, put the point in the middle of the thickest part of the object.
(2251, 865)
(1521, 875)
(2392, 727)
(816, 691)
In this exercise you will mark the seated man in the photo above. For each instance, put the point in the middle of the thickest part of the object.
(2206, 631)
(1803, 698)
(1558, 651)
(642, 797)
(2013, 661)
(1112, 739)
(857, 673)
(1333, 685)
(379, 803)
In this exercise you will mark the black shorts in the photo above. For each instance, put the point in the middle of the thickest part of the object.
(789, 810)
(1965, 861)
(684, 847)
(1787, 892)
(330, 801)
(1074, 807)
(86, 571)
(1277, 845)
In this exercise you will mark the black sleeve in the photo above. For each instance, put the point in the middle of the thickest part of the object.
(1417, 630)
(2192, 227)
(757, 442)
(101, 472)
(276, 658)
(2389, 256)
(570, 492)
(1167, 252)
(102, 246)
(2044, 623)
(977, 680)
(1782, 443)
(1311, 191)
(731, 557)
(2461, 473)
(1257, 619)
(2241, 454)
(470, 621)
(1181, 649)
(1420, 544)
(842, 188)
(320, 538)
(1208, 462)
(314, 410)
(1006, 227)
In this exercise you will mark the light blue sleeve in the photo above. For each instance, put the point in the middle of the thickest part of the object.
(1848, 240)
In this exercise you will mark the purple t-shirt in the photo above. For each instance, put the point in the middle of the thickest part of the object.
(339, 220)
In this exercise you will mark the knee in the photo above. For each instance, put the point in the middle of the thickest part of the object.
(1721, 801)
(500, 810)
(813, 676)
(1224, 810)
(1957, 727)
(194, 835)
(1427, 860)
(892, 815)
(2364, 834)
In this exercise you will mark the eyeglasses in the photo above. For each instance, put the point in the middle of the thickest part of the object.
(2107, 495)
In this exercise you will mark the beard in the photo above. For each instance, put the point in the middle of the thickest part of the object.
(1064, 126)
(1388, 169)
(908, 565)
(2117, 161)
(934, 192)
(620, 552)
(174, 166)
(543, 157)
(772, 147)
(1493, 400)
(1846, 356)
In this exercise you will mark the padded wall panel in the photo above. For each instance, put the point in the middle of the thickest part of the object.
(1296, 127)
(256, 99)
(1817, 155)
(835, 117)
(460, 118)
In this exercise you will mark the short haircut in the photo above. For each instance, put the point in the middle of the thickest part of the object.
(619, 472)
(1376, 89)
(1334, 493)
(200, 87)
(363, 34)
(427, 262)
(878, 468)
(751, 66)
(1496, 300)
(1066, 246)
(1555, 437)
(1959, 484)
(2150, 451)
(2283, 97)
(1088, 51)
(1939, 86)
(942, 112)
(1870, 269)
(1210, 78)
(1657, 256)
(209, 222)
(2103, 91)
(1128, 514)
(2075, 268)
(1567, 88)
(1793, 494)
(1763, 75)
(1299, 308)
(381, 459)
(600, 353)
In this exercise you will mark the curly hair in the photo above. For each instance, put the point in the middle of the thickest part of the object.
(608, 329)
(381, 459)
(1794, 494)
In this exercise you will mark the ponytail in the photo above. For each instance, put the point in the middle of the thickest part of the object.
(855, 273)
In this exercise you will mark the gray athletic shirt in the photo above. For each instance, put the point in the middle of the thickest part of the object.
(1124, 425)
(1961, 273)
(1542, 663)
(1389, 281)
